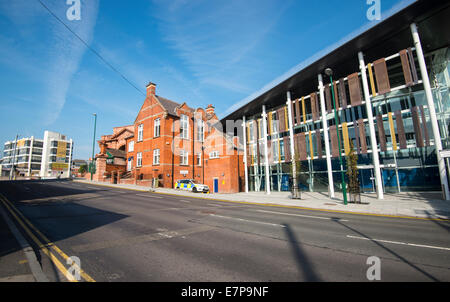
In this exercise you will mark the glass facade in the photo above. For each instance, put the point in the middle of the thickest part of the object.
(405, 144)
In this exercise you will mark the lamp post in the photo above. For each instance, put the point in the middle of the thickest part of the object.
(93, 144)
(329, 72)
(12, 171)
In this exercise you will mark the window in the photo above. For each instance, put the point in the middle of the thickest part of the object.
(254, 154)
(140, 133)
(199, 159)
(184, 157)
(131, 146)
(184, 126)
(275, 151)
(156, 157)
(274, 122)
(157, 128)
(139, 160)
(200, 130)
(214, 154)
(251, 138)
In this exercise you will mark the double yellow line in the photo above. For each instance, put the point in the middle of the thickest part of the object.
(44, 244)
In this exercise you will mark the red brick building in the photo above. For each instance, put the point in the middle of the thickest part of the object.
(112, 159)
(170, 141)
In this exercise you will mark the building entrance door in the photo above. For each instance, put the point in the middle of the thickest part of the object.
(366, 179)
(216, 185)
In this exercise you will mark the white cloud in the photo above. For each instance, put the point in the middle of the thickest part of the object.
(53, 54)
(215, 39)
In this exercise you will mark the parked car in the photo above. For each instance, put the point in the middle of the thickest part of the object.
(191, 185)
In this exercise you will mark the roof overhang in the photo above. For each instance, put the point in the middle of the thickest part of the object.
(381, 40)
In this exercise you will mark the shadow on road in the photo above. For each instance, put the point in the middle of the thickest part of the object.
(303, 263)
(55, 219)
(389, 250)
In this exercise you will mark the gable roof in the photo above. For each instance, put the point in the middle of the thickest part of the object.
(169, 105)
(116, 153)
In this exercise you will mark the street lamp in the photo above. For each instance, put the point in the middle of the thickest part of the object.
(329, 72)
(93, 144)
(12, 171)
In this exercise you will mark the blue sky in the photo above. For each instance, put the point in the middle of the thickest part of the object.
(198, 51)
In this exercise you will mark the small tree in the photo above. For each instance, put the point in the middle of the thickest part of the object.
(82, 169)
(296, 181)
(352, 174)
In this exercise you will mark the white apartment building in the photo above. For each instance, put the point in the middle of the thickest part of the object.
(46, 158)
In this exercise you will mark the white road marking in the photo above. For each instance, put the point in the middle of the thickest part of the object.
(152, 196)
(214, 205)
(240, 219)
(187, 201)
(299, 215)
(401, 243)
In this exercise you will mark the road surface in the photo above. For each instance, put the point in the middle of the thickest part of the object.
(125, 235)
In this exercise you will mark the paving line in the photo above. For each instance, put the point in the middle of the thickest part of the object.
(142, 195)
(400, 243)
(186, 201)
(298, 215)
(214, 205)
(285, 206)
(246, 220)
(36, 269)
(163, 234)
(48, 243)
(41, 246)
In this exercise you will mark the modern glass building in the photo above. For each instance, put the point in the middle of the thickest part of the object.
(390, 89)
(46, 158)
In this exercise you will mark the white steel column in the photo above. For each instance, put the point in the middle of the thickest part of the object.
(70, 159)
(245, 154)
(266, 153)
(431, 108)
(326, 138)
(30, 155)
(291, 140)
(373, 139)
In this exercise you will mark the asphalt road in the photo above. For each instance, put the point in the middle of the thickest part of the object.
(124, 235)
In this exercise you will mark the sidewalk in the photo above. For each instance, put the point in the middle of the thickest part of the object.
(18, 262)
(411, 204)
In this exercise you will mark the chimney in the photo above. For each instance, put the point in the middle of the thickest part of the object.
(210, 109)
(151, 88)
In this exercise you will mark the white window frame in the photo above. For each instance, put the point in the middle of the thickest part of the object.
(214, 154)
(200, 130)
(275, 150)
(184, 126)
(184, 158)
(274, 122)
(129, 164)
(199, 159)
(156, 156)
(157, 128)
(251, 130)
(140, 133)
(131, 146)
(139, 159)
